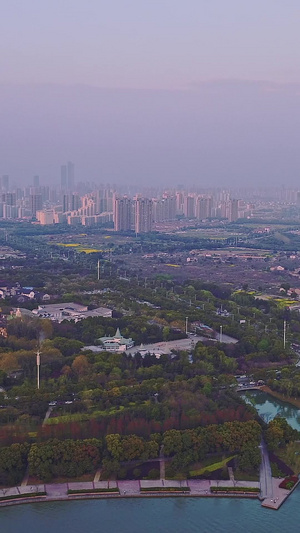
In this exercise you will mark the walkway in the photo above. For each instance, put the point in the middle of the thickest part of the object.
(127, 488)
(162, 466)
(266, 483)
(97, 475)
(279, 496)
(49, 411)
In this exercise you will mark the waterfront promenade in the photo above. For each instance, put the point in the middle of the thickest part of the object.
(126, 488)
(132, 488)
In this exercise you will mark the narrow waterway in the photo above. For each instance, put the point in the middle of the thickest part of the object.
(268, 407)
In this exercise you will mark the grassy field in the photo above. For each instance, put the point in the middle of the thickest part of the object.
(245, 476)
(210, 467)
(290, 454)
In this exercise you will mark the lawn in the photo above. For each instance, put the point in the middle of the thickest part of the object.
(245, 476)
(290, 454)
(212, 466)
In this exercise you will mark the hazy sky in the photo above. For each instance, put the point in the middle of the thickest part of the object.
(157, 46)
(158, 43)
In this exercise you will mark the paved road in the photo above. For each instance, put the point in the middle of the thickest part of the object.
(266, 483)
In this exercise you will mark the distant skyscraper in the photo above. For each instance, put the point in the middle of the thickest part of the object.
(71, 202)
(36, 203)
(36, 181)
(233, 210)
(143, 215)
(63, 176)
(5, 182)
(203, 207)
(9, 198)
(164, 209)
(179, 203)
(70, 176)
(189, 206)
(67, 177)
(122, 213)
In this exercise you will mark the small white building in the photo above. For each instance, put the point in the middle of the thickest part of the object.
(118, 343)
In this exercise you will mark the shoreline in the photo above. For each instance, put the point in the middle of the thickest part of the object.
(162, 488)
(97, 496)
(281, 397)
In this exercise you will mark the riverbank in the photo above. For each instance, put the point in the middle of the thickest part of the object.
(128, 489)
(293, 401)
(279, 497)
(144, 489)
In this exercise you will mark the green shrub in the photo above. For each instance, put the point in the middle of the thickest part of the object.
(137, 473)
(153, 473)
(122, 473)
(92, 491)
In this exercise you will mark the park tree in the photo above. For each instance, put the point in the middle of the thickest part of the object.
(81, 366)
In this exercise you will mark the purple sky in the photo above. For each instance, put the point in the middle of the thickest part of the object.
(159, 44)
(194, 111)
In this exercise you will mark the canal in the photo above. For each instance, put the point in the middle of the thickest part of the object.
(268, 407)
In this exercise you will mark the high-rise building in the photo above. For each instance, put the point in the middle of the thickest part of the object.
(143, 215)
(164, 209)
(71, 202)
(179, 203)
(36, 203)
(36, 181)
(67, 177)
(9, 198)
(70, 176)
(10, 211)
(169, 203)
(5, 182)
(203, 207)
(63, 177)
(122, 213)
(189, 206)
(233, 210)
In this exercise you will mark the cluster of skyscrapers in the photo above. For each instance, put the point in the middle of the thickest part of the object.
(140, 213)
(81, 203)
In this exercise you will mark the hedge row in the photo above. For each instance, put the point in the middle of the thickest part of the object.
(18, 496)
(92, 491)
(165, 489)
(235, 489)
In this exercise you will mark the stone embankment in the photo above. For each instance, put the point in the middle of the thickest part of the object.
(140, 488)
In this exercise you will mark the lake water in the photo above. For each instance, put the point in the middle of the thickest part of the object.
(152, 515)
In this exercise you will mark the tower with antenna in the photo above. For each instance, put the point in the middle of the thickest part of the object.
(38, 364)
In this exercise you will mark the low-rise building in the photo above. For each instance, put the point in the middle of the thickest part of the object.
(118, 343)
(70, 311)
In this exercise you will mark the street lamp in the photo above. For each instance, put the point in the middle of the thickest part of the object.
(221, 333)
(186, 324)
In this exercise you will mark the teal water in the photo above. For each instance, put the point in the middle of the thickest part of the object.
(269, 407)
(152, 515)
